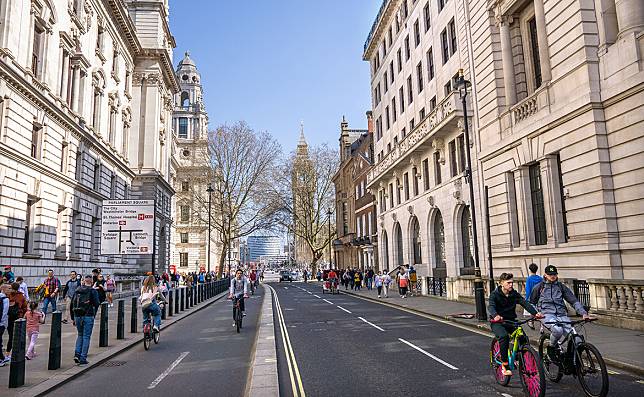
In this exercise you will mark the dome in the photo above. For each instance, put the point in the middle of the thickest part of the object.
(187, 63)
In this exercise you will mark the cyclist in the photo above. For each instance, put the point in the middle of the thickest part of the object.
(550, 296)
(149, 306)
(503, 303)
(253, 279)
(333, 279)
(238, 289)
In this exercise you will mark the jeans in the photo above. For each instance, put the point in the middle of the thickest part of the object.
(1, 333)
(84, 326)
(502, 332)
(369, 280)
(46, 303)
(556, 331)
(379, 290)
(154, 310)
(32, 337)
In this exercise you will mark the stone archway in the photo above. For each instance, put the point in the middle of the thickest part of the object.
(415, 253)
(437, 238)
(384, 243)
(398, 246)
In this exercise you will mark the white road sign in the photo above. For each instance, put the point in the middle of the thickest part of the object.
(127, 227)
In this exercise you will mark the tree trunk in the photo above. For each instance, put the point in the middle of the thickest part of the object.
(222, 260)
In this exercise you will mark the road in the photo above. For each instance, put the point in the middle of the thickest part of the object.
(201, 352)
(346, 346)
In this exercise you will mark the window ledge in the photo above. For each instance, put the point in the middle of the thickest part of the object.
(74, 258)
(28, 255)
(60, 257)
(111, 260)
(95, 260)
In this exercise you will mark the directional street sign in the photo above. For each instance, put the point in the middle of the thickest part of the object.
(127, 227)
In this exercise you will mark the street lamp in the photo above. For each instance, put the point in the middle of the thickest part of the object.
(209, 190)
(329, 213)
(479, 291)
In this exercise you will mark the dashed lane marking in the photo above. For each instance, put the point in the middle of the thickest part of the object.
(327, 301)
(372, 324)
(448, 365)
(167, 371)
(610, 371)
(342, 308)
(317, 296)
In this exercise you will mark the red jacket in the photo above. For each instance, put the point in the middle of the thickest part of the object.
(18, 298)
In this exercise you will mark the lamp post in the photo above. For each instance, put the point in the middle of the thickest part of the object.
(479, 291)
(209, 190)
(329, 213)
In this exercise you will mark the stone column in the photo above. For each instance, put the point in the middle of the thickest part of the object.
(524, 206)
(630, 16)
(542, 36)
(76, 89)
(508, 64)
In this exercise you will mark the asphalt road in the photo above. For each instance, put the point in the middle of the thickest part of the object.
(346, 346)
(200, 355)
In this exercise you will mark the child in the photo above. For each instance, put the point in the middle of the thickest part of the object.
(34, 318)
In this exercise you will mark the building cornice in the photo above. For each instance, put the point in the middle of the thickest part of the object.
(125, 25)
(163, 57)
(387, 8)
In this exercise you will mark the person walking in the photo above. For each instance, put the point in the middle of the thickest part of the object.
(34, 318)
(99, 286)
(413, 279)
(8, 274)
(23, 287)
(530, 282)
(51, 286)
(69, 290)
(4, 322)
(357, 281)
(110, 287)
(403, 282)
(386, 282)
(83, 309)
(378, 283)
(17, 310)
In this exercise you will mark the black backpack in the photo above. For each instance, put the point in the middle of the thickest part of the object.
(82, 302)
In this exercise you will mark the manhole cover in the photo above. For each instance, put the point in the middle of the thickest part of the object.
(114, 363)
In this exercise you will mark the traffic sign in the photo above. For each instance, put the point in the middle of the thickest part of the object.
(127, 227)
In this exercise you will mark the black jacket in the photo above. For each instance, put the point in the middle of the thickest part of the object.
(506, 306)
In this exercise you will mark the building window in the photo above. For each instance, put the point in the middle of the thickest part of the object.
(184, 238)
(430, 64)
(538, 209)
(385, 80)
(445, 46)
(398, 189)
(391, 72)
(512, 209)
(441, 5)
(432, 103)
(562, 198)
(414, 176)
(426, 15)
(407, 48)
(461, 152)
(534, 48)
(185, 213)
(113, 186)
(453, 167)
(447, 88)
(415, 241)
(36, 141)
(30, 226)
(79, 164)
(439, 242)
(426, 174)
(401, 93)
(185, 186)
(183, 259)
(467, 243)
(422, 113)
(38, 51)
(452, 36)
(345, 218)
(412, 124)
(390, 37)
(391, 195)
(416, 33)
(97, 176)
(419, 74)
(410, 92)
(95, 239)
(393, 109)
(406, 185)
(77, 7)
(183, 127)
(64, 155)
(387, 117)
(437, 169)
(403, 133)
(399, 58)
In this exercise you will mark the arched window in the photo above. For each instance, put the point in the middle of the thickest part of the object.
(385, 250)
(415, 241)
(438, 231)
(185, 99)
(466, 242)
(399, 245)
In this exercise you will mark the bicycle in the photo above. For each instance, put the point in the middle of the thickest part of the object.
(579, 359)
(149, 334)
(532, 377)
(237, 313)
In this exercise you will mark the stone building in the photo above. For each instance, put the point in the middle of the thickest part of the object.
(356, 243)
(191, 162)
(415, 50)
(75, 77)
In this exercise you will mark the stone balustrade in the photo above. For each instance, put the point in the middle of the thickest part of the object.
(622, 296)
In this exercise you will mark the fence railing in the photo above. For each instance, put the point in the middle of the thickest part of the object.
(436, 286)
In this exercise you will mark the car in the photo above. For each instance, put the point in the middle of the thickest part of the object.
(285, 275)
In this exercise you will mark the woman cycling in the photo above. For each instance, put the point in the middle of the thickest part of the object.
(149, 295)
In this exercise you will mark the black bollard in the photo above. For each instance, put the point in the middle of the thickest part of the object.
(17, 366)
(103, 330)
(177, 298)
(133, 322)
(183, 298)
(55, 341)
(164, 311)
(120, 319)
(189, 292)
(170, 303)
(200, 293)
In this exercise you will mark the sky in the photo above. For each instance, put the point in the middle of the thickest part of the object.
(276, 63)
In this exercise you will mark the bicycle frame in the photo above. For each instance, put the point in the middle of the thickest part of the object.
(571, 339)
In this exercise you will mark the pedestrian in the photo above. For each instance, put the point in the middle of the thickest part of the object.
(386, 282)
(356, 281)
(17, 310)
(68, 292)
(352, 280)
(99, 286)
(378, 282)
(345, 279)
(110, 287)
(83, 309)
(34, 318)
(369, 277)
(403, 282)
(23, 287)
(50, 286)
(413, 279)
(4, 322)
(530, 282)
(8, 274)
(318, 275)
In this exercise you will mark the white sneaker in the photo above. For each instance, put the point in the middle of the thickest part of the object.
(234, 324)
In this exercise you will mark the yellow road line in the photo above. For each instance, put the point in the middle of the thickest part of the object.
(294, 372)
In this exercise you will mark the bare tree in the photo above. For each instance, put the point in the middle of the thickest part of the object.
(305, 187)
(243, 163)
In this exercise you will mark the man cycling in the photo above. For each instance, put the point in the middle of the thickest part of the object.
(238, 289)
(253, 279)
(333, 279)
(549, 296)
(503, 303)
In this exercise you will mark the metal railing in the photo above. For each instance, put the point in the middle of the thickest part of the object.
(436, 286)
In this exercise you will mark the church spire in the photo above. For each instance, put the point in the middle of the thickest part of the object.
(302, 146)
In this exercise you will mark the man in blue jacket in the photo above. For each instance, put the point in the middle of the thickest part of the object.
(83, 309)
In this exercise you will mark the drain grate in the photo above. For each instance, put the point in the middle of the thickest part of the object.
(114, 363)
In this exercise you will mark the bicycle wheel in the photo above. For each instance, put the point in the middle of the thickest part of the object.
(495, 363)
(591, 370)
(238, 320)
(146, 342)
(532, 378)
(156, 336)
(551, 370)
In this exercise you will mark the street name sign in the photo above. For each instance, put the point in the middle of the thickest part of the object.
(127, 227)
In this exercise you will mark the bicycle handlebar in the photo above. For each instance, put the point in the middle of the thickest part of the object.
(572, 322)
(514, 322)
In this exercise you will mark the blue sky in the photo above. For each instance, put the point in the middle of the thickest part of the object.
(274, 63)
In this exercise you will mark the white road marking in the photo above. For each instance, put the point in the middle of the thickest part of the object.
(167, 371)
(342, 308)
(640, 381)
(448, 365)
(372, 324)
(317, 296)
(506, 395)
(329, 302)
(610, 371)
(309, 292)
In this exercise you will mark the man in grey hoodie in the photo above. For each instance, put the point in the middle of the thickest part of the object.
(550, 296)
(4, 322)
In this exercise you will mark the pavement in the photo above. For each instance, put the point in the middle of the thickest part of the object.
(342, 345)
(39, 379)
(621, 348)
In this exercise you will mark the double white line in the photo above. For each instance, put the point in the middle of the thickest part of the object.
(293, 370)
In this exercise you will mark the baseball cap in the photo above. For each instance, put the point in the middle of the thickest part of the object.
(551, 270)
